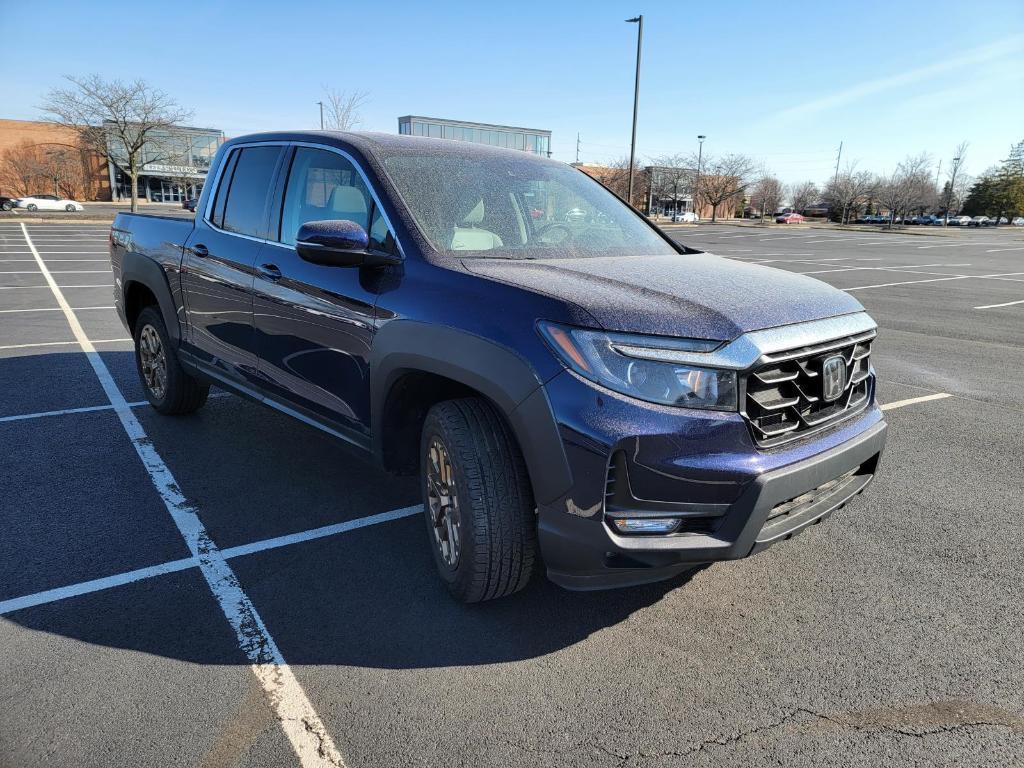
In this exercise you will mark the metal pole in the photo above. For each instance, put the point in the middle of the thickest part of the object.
(839, 155)
(577, 149)
(636, 100)
(949, 195)
(321, 114)
(696, 184)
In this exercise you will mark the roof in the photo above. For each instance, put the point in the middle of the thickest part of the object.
(471, 124)
(383, 145)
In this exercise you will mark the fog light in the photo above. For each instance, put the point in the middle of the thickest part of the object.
(646, 524)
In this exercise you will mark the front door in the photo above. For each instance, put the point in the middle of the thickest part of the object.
(219, 265)
(314, 323)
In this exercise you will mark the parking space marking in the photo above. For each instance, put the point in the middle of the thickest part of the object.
(1001, 250)
(299, 721)
(914, 400)
(57, 343)
(16, 287)
(934, 280)
(907, 268)
(68, 411)
(48, 309)
(1004, 304)
(56, 272)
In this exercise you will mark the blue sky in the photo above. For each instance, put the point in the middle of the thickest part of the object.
(784, 83)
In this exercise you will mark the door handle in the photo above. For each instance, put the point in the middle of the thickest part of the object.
(269, 272)
(200, 250)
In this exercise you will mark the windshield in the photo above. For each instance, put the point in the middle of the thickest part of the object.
(507, 206)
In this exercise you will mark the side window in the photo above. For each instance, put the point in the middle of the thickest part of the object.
(246, 207)
(322, 185)
(217, 216)
(381, 238)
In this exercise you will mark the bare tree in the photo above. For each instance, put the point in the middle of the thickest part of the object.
(849, 191)
(672, 178)
(767, 194)
(723, 180)
(907, 188)
(116, 120)
(341, 108)
(54, 168)
(803, 195)
(949, 192)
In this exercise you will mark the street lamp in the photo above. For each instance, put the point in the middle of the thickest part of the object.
(321, 114)
(696, 184)
(949, 195)
(639, 20)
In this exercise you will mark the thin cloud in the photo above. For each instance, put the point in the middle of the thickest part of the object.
(973, 56)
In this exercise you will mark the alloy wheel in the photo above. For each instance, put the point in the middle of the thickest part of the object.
(153, 360)
(443, 503)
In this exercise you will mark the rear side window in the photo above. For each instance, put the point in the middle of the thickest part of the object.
(217, 217)
(245, 210)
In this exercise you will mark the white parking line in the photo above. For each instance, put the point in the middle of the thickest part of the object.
(47, 309)
(172, 566)
(913, 400)
(1000, 250)
(299, 721)
(907, 268)
(934, 280)
(57, 343)
(17, 287)
(56, 272)
(1004, 304)
(67, 411)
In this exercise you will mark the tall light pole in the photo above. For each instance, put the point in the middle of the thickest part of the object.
(636, 100)
(321, 114)
(949, 194)
(700, 156)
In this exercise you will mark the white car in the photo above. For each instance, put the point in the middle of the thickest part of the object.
(686, 217)
(959, 221)
(48, 203)
(1018, 221)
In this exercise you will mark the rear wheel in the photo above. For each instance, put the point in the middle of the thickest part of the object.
(168, 387)
(69, 207)
(477, 501)
(32, 207)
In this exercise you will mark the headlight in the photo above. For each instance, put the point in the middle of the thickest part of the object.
(643, 367)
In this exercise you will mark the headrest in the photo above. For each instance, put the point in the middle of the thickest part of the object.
(347, 200)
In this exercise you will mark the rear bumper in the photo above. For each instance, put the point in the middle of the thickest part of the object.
(582, 552)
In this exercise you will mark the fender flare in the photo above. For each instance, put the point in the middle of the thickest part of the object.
(496, 372)
(136, 268)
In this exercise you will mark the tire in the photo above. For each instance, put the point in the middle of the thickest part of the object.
(175, 393)
(494, 522)
(32, 207)
(69, 207)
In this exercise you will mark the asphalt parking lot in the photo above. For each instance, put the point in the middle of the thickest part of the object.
(891, 635)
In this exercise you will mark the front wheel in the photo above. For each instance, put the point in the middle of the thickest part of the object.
(69, 207)
(477, 501)
(32, 207)
(168, 387)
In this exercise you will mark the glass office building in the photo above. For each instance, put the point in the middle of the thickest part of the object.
(174, 164)
(526, 139)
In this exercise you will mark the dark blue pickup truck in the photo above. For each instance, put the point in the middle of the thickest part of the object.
(572, 386)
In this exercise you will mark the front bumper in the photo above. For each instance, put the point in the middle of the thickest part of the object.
(739, 499)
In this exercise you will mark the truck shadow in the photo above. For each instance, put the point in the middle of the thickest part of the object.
(367, 598)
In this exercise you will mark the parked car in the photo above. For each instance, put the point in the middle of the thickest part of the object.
(999, 220)
(190, 204)
(7, 203)
(979, 221)
(48, 203)
(600, 397)
(1018, 221)
(685, 217)
(959, 221)
(789, 218)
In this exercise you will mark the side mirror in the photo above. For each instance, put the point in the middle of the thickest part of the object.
(338, 243)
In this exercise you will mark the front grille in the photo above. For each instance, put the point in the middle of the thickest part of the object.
(805, 500)
(785, 397)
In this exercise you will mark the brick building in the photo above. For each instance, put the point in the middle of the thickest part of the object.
(42, 158)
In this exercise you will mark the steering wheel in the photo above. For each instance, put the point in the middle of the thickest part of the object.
(543, 231)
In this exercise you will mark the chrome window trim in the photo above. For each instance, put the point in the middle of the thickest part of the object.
(747, 350)
(310, 145)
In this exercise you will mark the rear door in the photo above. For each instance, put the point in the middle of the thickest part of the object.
(220, 259)
(314, 323)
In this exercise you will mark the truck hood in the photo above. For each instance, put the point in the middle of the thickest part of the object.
(685, 295)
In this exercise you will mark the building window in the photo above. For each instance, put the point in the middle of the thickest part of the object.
(434, 130)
